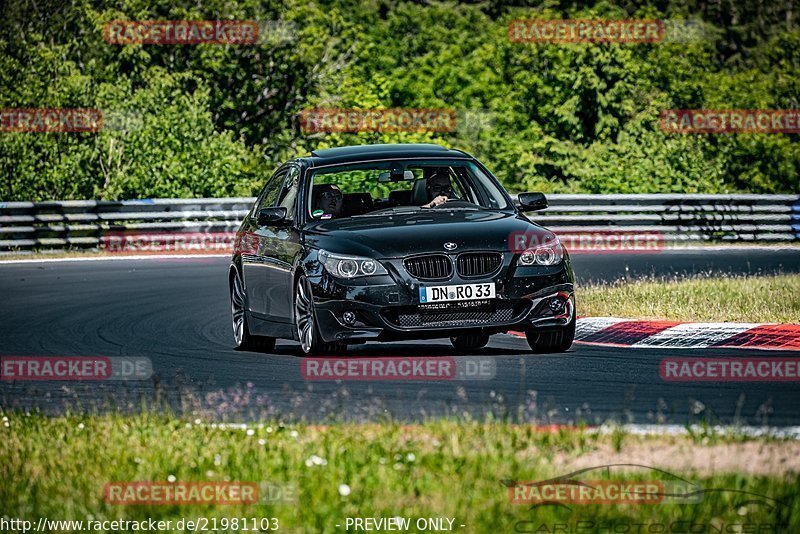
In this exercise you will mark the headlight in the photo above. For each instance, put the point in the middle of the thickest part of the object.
(350, 266)
(549, 253)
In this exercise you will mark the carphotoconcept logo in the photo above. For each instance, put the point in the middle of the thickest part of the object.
(711, 121)
(419, 368)
(652, 486)
(744, 369)
(74, 368)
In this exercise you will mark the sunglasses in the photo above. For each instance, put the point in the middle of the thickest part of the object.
(440, 188)
(330, 194)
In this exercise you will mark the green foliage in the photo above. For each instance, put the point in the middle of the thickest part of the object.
(699, 299)
(216, 120)
(362, 181)
(58, 467)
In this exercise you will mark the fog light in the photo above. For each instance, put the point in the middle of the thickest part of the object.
(556, 304)
(349, 317)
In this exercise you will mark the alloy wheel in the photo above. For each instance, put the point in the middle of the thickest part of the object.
(237, 311)
(304, 315)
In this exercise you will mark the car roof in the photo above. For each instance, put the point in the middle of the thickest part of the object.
(356, 153)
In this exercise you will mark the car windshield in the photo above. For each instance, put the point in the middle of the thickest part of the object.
(377, 189)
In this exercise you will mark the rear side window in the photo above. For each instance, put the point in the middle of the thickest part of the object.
(288, 194)
(270, 192)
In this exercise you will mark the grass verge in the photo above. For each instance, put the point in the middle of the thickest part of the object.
(58, 467)
(756, 299)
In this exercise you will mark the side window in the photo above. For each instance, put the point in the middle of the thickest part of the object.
(270, 192)
(458, 187)
(463, 187)
(288, 193)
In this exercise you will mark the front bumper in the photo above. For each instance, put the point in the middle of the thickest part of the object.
(387, 307)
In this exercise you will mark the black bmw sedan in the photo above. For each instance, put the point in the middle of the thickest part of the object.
(395, 242)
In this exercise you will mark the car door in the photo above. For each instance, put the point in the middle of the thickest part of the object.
(282, 245)
(254, 264)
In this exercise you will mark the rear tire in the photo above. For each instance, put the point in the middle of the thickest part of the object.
(305, 318)
(469, 342)
(242, 338)
(551, 340)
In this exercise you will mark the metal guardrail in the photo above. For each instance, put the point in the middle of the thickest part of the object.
(86, 224)
(678, 217)
(58, 225)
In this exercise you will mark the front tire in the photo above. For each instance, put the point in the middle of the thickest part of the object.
(469, 342)
(242, 338)
(305, 319)
(551, 340)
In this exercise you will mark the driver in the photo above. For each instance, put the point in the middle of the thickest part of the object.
(439, 188)
(328, 200)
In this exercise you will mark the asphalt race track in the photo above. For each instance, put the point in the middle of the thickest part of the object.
(175, 312)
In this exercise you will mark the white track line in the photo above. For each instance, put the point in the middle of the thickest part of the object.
(587, 326)
(694, 335)
(783, 432)
(786, 432)
(700, 248)
(118, 258)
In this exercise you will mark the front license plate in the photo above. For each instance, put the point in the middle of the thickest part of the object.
(457, 292)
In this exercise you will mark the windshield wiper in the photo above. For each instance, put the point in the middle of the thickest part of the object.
(418, 209)
(388, 210)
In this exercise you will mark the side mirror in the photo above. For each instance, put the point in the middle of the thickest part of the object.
(272, 216)
(532, 201)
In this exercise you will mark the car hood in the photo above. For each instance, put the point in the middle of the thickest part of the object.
(400, 234)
